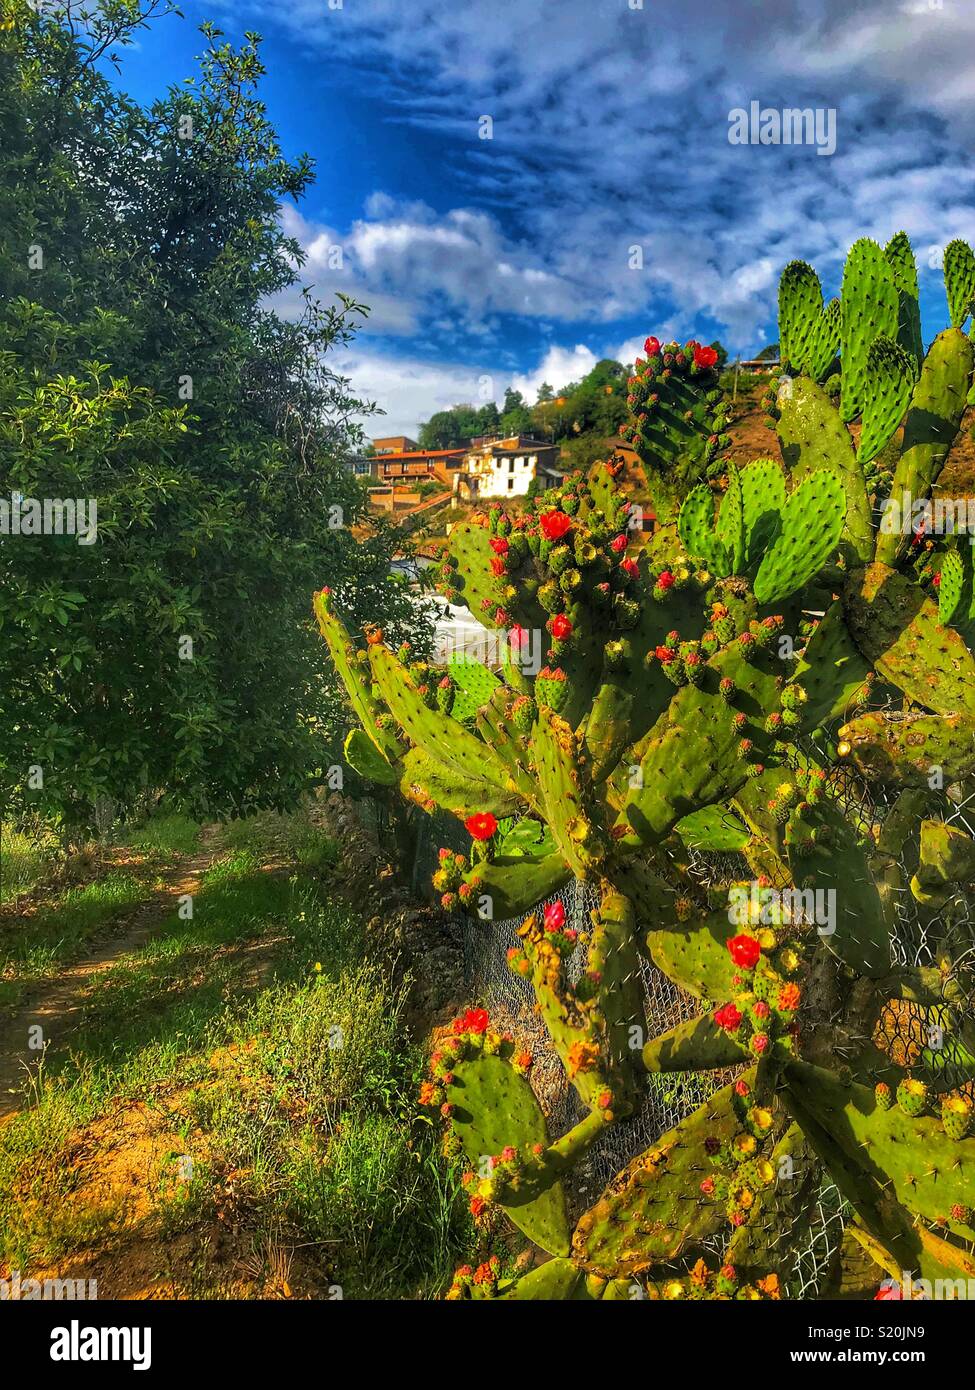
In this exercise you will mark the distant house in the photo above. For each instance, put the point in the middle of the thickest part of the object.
(395, 444)
(412, 466)
(498, 468)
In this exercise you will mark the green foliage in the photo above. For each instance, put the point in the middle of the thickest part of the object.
(141, 368)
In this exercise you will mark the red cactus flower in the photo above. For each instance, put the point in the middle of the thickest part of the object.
(707, 1187)
(888, 1292)
(554, 525)
(742, 1088)
(499, 545)
(936, 581)
(517, 635)
(665, 654)
(651, 347)
(618, 544)
(473, 1021)
(477, 1208)
(554, 916)
(728, 1017)
(498, 566)
(744, 950)
(561, 627)
(759, 1043)
(705, 356)
(481, 826)
(762, 1009)
(665, 579)
(631, 567)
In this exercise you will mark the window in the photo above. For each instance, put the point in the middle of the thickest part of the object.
(511, 483)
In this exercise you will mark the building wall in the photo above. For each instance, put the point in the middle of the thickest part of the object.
(506, 468)
(504, 475)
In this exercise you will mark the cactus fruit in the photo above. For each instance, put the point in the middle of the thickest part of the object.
(771, 684)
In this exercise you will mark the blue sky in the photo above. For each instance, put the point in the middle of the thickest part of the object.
(491, 262)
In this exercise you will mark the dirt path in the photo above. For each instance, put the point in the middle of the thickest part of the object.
(59, 1006)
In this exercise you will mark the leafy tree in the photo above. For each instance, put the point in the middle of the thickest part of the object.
(488, 418)
(545, 393)
(141, 368)
(449, 429)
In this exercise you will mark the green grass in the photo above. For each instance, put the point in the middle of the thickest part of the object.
(165, 835)
(275, 1049)
(35, 948)
(24, 860)
(293, 838)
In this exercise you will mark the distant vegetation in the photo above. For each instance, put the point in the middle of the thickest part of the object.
(580, 415)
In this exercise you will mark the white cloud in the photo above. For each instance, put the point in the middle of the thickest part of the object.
(558, 367)
(410, 390)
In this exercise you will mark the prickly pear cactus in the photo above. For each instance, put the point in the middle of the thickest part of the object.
(751, 732)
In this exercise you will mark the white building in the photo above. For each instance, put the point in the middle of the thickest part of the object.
(499, 468)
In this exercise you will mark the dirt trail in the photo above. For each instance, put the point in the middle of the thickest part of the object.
(58, 1007)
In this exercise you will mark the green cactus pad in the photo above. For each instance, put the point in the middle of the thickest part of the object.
(694, 954)
(959, 269)
(947, 859)
(800, 307)
(824, 343)
(438, 735)
(696, 526)
(897, 629)
(928, 1172)
(937, 406)
(691, 756)
(553, 749)
(731, 523)
(607, 731)
(614, 955)
(364, 757)
(811, 526)
(555, 1280)
(715, 829)
(886, 393)
(428, 783)
(785, 1214)
(493, 1107)
(812, 436)
(654, 1209)
(904, 750)
(695, 1045)
(900, 258)
(475, 686)
(516, 885)
(951, 586)
(869, 306)
(357, 682)
(762, 504)
(841, 867)
(831, 671)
